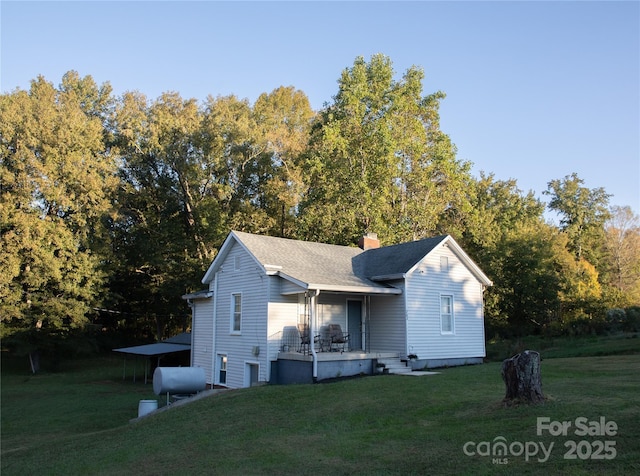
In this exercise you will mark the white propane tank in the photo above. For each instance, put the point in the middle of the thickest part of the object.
(178, 380)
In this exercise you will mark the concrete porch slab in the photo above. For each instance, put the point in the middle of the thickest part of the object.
(330, 356)
(420, 373)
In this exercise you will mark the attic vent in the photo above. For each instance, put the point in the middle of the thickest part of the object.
(444, 263)
(237, 263)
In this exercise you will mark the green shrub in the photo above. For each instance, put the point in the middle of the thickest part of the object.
(615, 319)
(632, 319)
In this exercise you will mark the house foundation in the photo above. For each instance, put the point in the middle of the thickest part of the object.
(293, 367)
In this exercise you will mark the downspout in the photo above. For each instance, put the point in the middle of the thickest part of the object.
(192, 306)
(267, 332)
(312, 331)
(407, 350)
(213, 328)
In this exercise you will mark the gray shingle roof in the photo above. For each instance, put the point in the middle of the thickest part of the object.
(312, 263)
(337, 268)
(396, 259)
(331, 266)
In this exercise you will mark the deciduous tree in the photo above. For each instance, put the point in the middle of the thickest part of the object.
(378, 160)
(583, 212)
(283, 120)
(160, 235)
(57, 180)
(622, 232)
(505, 233)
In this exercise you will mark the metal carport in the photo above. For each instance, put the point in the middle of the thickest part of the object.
(158, 350)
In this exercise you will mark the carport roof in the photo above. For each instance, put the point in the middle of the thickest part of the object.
(177, 343)
(149, 350)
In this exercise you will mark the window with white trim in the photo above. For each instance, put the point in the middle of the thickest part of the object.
(222, 366)
(446, 314)
(236, 313)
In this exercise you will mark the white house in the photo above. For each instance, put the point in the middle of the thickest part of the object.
(419, 303)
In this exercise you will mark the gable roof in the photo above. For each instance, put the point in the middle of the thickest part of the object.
(397, 260)
(393, 262)
(328, 267)
(308, 264)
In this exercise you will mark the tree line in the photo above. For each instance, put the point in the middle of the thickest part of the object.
(112, 207)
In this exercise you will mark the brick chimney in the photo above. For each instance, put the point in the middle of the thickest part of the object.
(369, 241)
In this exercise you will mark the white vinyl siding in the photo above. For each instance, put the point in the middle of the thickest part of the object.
(387, 323)
(252, 284)
(444, 263)
(426, 284)
(287, 287)
(283, 312)
(331, 309)
(202, 332)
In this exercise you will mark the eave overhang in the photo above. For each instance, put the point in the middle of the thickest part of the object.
(389, 277)
(354, 289)
(197, 295)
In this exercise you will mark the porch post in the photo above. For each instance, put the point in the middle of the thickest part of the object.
(365, 323)
(312, 331)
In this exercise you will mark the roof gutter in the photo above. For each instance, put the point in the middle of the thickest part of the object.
(355, 288)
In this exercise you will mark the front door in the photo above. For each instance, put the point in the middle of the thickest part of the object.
(354, 322)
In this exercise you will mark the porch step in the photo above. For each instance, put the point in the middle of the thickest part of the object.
(395, 365)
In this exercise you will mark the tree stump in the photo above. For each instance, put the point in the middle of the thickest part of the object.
(521, 375)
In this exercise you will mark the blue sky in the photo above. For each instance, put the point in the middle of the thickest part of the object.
(535, 90)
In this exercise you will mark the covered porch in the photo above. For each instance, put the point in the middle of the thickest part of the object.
(338, 331)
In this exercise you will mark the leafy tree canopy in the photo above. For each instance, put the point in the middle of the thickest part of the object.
(57, 180)
(378, 160)
(121, 203)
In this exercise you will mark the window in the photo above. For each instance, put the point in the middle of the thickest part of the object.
(237, 263)
(446, 314)
(236, 313)
(222, 374)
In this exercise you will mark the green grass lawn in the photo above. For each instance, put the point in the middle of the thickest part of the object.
(556, 347)
(77, 422)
